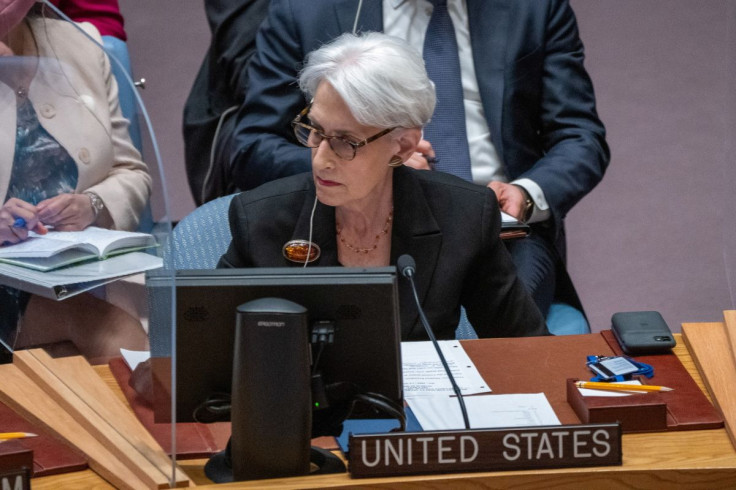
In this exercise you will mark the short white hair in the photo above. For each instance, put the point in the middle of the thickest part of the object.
(381, 79)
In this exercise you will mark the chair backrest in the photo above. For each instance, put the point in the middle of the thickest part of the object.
(562, 319)
(119, 49)
(197, 242)
(200, 239)
(465, 330)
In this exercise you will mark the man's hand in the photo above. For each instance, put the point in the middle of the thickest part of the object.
(419, 159)
(510, 198)
(67, 212)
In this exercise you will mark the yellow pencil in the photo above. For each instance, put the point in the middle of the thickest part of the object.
(15, 435)
(594, 385)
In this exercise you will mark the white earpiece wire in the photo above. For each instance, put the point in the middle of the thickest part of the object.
(311, 223)
(357, 17)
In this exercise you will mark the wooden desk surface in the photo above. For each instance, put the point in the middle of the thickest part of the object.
(692, 459)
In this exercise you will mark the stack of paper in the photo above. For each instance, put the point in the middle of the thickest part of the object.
(66, 282)
(61, 264)
(430, 396)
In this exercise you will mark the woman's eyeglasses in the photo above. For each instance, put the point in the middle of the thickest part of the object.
(311, 137)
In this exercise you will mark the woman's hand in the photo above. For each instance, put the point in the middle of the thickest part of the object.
(11, 229)
(67, 212)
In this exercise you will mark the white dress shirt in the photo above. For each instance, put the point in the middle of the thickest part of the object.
(408, 19)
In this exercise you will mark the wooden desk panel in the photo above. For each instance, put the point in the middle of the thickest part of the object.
(687, 459)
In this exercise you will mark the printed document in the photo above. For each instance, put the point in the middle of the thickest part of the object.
(484, 412)
(424, 375)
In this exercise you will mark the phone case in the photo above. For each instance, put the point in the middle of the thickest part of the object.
(642, 332)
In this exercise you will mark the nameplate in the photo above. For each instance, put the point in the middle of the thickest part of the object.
(413, 453)
(16, 479)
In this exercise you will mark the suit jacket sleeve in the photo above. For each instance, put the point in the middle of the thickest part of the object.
(127, 186)
(234, 25)
(220, 84)
(264, 147)
(493, 291)
(575, 153)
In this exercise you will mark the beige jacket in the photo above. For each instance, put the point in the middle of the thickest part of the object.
(76, 99)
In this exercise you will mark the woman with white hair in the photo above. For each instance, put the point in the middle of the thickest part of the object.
(361, 207)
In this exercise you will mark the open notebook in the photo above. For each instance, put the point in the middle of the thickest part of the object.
(62, 248)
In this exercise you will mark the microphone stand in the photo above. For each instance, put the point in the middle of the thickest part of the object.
(408, 271)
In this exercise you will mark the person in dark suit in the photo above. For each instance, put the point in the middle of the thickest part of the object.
(533, 131)
(218, 90)
(361, 207)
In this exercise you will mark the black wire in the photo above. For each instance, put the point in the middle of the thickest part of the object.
(316, 357)
(387, 405)
(428, 329)
(216, 408)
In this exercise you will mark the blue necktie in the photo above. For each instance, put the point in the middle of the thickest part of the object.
(446, 131)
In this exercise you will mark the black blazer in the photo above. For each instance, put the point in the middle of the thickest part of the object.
(449, 226)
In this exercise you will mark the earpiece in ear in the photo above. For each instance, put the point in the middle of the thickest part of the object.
(395, 161)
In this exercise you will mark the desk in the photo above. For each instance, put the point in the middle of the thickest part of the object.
(692, 459)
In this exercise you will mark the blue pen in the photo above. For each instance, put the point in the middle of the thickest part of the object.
(19, 223)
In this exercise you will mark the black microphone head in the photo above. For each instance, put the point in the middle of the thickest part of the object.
(406, 265)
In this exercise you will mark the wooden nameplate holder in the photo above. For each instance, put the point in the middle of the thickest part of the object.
(684, 408)
(68, 398)
(641, 412)
(16, 463)
(521, 448)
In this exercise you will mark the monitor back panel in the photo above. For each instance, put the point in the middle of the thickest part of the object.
(363, 307)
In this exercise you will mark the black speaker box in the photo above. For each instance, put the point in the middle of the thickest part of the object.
(271, 396)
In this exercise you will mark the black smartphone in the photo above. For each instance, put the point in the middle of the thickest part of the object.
(642, 332)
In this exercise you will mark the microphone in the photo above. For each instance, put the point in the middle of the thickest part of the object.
(407, 267)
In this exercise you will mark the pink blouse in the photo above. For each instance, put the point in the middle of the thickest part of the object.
(103, 14)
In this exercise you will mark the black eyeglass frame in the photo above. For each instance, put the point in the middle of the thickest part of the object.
(354, 145)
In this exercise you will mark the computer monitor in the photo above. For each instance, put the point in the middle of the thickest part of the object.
(362, 303)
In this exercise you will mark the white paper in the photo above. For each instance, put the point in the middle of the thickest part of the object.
(36, 247)
(507, 218)
(484, 412)
(95, 240)
(589, 392)
(424, 375)
(134, 357)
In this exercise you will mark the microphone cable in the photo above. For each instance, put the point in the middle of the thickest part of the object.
(407, 267)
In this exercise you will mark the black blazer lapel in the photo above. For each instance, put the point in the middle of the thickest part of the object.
(488, 21)
(415, 232)
(323, 231)
(371, 15)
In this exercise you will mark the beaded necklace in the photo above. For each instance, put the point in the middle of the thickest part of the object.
(359, 250)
